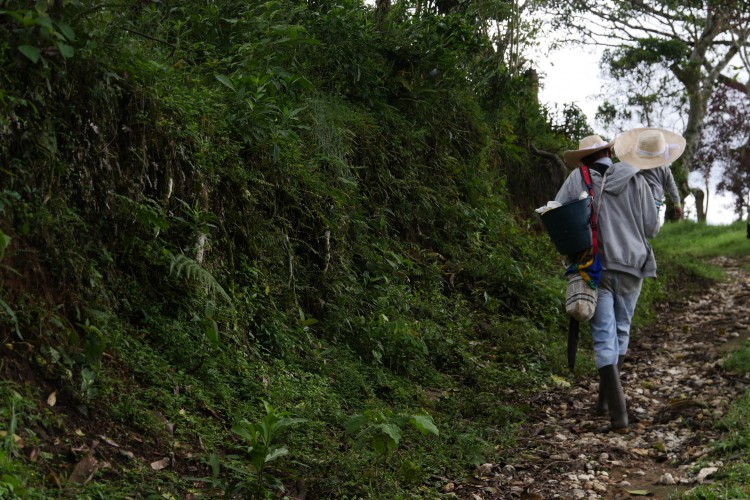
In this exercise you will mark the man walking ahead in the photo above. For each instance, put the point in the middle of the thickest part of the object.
(626, 217)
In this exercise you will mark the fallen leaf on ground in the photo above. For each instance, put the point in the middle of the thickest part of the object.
(18, 440)
(108, 441)
(160, 464)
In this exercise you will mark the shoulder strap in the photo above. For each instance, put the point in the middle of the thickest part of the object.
(587, 179)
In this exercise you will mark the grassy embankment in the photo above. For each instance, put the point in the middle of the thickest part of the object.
(218, 218)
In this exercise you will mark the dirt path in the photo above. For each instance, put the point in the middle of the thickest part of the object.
(675, 391)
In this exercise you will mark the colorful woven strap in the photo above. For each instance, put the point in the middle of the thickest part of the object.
(587, 180)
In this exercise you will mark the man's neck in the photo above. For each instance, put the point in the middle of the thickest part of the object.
(601, 165)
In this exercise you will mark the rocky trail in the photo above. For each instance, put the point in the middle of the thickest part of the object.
(676, 390)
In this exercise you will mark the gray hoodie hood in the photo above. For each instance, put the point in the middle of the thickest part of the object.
(618, 177)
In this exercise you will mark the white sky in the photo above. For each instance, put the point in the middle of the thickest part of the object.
(571, 76)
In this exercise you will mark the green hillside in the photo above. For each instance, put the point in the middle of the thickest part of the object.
(251, 247)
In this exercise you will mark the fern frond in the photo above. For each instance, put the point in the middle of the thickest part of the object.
(183, 265)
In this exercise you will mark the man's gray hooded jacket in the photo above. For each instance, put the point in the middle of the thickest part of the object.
(626, 219)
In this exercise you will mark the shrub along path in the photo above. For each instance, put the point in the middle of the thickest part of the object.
(676, 390)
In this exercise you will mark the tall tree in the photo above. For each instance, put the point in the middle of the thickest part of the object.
(695, 41)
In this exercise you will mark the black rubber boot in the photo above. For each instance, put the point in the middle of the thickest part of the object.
(601, 402)
(609, 380)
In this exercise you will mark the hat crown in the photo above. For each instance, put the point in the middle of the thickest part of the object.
(587, 146)
(591, 142)
(650, 143)
(649, 147)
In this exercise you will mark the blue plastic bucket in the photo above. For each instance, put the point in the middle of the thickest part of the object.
(569, 226)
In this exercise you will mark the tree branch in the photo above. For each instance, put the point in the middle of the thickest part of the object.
(144, 35)
(733, 84)
(551, 156)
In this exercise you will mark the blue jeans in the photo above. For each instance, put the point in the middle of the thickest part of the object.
(610, 327)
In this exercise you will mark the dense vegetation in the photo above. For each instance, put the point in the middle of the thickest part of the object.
(259, 245)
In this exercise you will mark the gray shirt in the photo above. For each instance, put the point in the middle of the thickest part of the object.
(660, 179)
(626, 219)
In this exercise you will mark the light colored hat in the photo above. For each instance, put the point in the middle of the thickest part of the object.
(649, 147)
(588, 145)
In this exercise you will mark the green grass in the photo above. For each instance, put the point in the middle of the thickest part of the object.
(738, 361)
(702, 240)
(684, 253)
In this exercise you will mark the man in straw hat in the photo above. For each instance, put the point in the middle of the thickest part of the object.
(656, 145)
(626, 217)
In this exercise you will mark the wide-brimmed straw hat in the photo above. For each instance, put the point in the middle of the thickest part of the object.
(588, 145)
(649, 147)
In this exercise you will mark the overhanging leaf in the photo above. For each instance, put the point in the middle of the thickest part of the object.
(66, 30)
(226, 81)
(425, 424)
(392, 431)
(355, 423)
(66, 50)
(44, 21)
(4, 306)
(275, 453)
(212, 331)
(285, 422)
(245, 430)
(31, 52)
(4, 243)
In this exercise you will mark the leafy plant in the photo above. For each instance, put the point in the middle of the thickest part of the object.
(88, 377)
(11, 486)
(208, 324)
(397, 341)
(261, 447)
(11, 483)
(381, 431)
(36, 27)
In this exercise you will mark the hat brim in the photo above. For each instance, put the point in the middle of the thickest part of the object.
(625, 151)
(573, 157)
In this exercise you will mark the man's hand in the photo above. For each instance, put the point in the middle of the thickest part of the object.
(678, 212)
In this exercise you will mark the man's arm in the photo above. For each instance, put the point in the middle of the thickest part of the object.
(571, 188)
(648, 207)
(670, 186)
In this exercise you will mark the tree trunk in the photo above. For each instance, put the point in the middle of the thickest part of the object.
(382, 7)
(707, 180)
(700, 211)
(697, 103)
